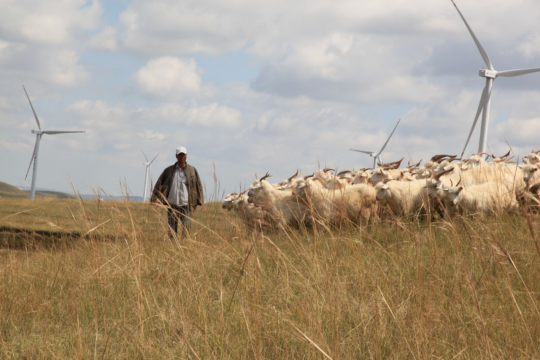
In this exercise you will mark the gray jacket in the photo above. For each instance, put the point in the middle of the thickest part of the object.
(194, 185)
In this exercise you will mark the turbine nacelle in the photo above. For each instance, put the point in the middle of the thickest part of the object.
(488, 73)
(37, 132)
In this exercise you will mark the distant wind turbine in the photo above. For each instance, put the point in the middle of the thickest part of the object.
(34, 159)
(377, 156)
(147, 164)
(490, 74)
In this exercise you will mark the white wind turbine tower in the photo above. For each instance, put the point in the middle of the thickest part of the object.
(377, 156)
(147, 164)
(34, 159)
(490, 74)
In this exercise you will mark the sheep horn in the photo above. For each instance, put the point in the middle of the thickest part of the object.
(436, 158)
(416, 165)
(343, 172)
(292, 177)
(438, 176)
(266, 176)
(459, 182)
(308, 176)
(386, 180)
(328, 169)
(506, 155)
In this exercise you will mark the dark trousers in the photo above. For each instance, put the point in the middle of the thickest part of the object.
(182, 213)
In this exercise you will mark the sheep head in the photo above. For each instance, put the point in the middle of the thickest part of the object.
(383, 191)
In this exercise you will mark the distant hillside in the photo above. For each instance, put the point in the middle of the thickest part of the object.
(10, 191)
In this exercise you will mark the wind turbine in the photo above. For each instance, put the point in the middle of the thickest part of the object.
(490, 74)
(147, 164)
(34, 159)
(377, 156)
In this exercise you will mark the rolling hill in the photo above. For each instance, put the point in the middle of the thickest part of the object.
(10, 191)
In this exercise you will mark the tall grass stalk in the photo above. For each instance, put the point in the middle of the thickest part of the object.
(95, 279)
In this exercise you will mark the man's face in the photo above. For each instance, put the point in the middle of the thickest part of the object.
(181, 158)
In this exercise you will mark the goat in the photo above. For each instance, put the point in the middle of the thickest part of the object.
(491, 197)
(403, 198)
(282, 204)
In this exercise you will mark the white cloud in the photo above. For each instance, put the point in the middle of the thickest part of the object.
(106, 39)
(516, 130)
(172, 27)
(531, 46)
(332, 76)
(49, 65)
(48, 22)
(98, 114)
(209, 116)
(169, 78)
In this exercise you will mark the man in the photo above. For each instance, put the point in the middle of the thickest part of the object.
(179, 187)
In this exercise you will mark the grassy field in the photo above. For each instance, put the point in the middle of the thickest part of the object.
(10, 191)
(100, 279)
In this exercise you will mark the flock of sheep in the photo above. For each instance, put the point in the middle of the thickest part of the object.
(444, 186)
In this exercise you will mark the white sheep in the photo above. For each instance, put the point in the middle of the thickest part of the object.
(491, 197)
(404, 197)
(283, 205)
(531, 175)
(533, 158)
(361, 177)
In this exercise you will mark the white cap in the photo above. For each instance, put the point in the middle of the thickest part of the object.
(180, 150)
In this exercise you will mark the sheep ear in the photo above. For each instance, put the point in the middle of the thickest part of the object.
(534, 169)
(385, 187)
(445, 189)
(460, 188)
(439, 185)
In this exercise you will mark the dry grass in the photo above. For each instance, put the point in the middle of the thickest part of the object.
(104, 281)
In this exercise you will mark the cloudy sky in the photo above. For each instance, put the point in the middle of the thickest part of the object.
(251, 86)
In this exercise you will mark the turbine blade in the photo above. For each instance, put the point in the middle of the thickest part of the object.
(144, 156)
(61, 132)
(153, 159)
(481, 106)
(478, 45)
(365, 152)
(39, 126)
(31, 160)
(512, 73)
(382, 149)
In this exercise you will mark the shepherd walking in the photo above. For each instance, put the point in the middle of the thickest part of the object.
(180, 188)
